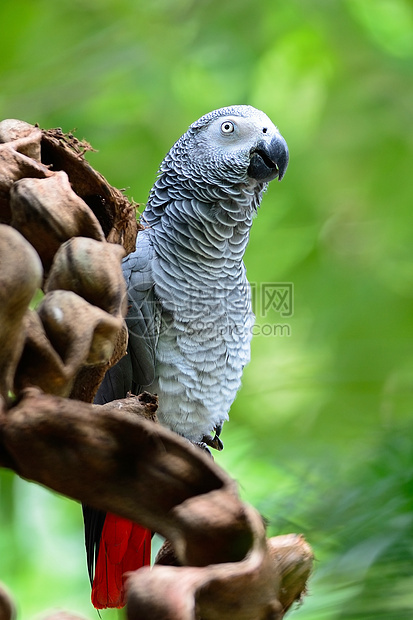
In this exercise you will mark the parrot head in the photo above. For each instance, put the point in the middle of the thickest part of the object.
(232, 145)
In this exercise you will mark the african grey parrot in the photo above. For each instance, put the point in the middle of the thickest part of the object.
(190, 318)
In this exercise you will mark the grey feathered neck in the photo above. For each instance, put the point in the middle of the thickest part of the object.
(202, 207)
(205, 224)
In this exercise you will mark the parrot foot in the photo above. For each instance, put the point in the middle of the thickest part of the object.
(214, 442)
(202, 445)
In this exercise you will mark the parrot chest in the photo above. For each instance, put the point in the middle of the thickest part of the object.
(203, 346)
(206, 326)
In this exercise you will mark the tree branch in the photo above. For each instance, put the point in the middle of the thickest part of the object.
(115, 459)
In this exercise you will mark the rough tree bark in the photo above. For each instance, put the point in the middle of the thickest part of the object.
(64, 231)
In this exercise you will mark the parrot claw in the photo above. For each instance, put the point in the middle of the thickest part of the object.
(214, 442)
(202, 445)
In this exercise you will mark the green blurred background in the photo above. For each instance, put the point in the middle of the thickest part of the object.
(320, 434)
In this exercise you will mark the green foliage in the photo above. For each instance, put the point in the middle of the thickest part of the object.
(319, 435)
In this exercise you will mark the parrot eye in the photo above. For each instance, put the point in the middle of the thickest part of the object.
(227, 127)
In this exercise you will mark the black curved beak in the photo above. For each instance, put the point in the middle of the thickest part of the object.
(269, 160)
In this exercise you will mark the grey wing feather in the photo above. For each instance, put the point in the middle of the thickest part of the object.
(116, 383)
(144, 312)
(137, 368)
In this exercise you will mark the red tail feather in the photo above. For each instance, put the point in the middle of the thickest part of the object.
(124, 546)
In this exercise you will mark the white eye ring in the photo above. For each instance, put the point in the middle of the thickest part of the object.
(227, 127)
